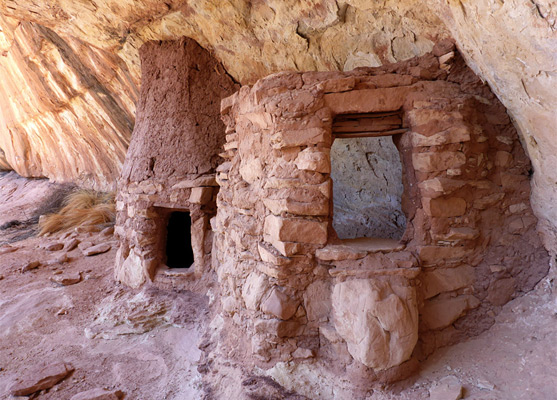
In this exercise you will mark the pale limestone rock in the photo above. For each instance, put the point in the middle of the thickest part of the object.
(378, 321)
(30, 266)
(300, 352)
(67, 279)
(280, 305)
(75, 100)
(251, 169)
(61, 259)
(314, 160)
(439, 186)
(454, 134)
(255, 287)
(339, 252)
(52, 246)
(296, 230)
(438, 161)
(317, 301)
(293, 138)
(7, 249)
(448, 388)
(96, 249)
(201, 195)
(130, 269)
(269, 255)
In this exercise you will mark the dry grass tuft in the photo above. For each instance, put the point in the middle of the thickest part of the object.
(81, 207)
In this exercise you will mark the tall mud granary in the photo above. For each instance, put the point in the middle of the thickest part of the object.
(167, 188)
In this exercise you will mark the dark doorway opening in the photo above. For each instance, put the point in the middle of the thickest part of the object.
(179, 253)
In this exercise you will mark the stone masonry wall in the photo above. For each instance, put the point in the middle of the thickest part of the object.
(171, 161)
(290, 285)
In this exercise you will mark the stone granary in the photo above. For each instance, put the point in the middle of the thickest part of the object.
(167, 187)
(453, 239)
(370, 306)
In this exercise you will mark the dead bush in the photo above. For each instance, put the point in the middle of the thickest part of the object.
(80, 207)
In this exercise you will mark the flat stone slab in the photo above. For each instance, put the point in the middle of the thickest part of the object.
(374, 245)
(355, 249)
(7, 249)
(99, 394)
(448, 388)
(67, 279)
(41, 379)
(30, 266)
(337, 252)
(97, 249)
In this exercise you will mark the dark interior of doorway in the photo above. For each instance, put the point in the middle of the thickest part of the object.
(179, 253)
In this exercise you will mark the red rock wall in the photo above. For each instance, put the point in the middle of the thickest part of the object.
(470, 244)
(171, 160)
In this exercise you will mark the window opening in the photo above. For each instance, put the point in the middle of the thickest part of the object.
(367, 176)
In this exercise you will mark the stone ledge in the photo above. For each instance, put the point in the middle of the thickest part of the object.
(355, 249)
(409, 273)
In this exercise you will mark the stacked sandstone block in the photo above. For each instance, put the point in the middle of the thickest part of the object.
(295, 291)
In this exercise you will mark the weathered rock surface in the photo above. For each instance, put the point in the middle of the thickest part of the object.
(67, 108)
(41, 379)
(378, 322)
(99, 394)
(367, 189)
(448, 388)
(96, 249)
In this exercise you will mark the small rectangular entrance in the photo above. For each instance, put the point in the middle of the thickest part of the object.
(179, 252)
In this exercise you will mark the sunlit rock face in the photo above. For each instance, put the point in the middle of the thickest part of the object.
(510, 44)
(513, 46)
(66, 108)
(251, 38)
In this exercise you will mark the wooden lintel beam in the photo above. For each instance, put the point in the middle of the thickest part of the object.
(368, 134)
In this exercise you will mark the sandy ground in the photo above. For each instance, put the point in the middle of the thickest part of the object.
(145, 342)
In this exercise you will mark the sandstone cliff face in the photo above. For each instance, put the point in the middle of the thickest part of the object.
(66, 108)
(510, 44)
(513, 46)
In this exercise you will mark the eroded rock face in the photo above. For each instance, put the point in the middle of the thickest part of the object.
(251, 39)
(367, 188)
(512, 45)
(74, 124)
(67, 109)
(378, 322)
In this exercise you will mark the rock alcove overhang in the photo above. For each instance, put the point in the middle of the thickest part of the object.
(510, 44)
